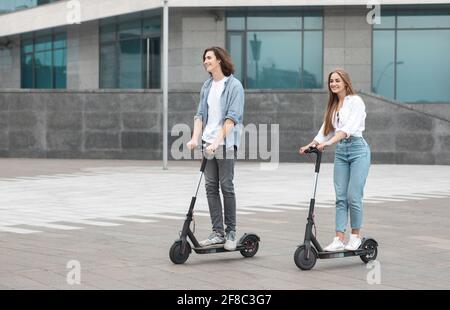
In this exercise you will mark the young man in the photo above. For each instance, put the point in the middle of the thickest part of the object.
(219, 116)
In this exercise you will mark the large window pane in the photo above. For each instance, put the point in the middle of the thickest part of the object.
(130, 30)
(60, 41)
(108, 33)
(27, 46)
(44, 57)
(43, 43)
(130, 70)
(153, 77)
(13, 5)
(267, 49)
(22, 4)
(383, 63)
(27, 71)
(125, 59)
(273, 59)
(43, 69)
(108, 66)
(424, 72)
(424, 20)
(274, 23)
(7, 6)
(387, 20)
(236, 23)
(151, 27)
(59, 66)
(411, 62)
(312, 60)
(235, 43)
(313, 21)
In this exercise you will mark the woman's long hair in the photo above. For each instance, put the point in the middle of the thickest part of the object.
(225, 59)
(333, 99)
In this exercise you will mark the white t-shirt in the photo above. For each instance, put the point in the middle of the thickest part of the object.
(350, 119)
(215, 118)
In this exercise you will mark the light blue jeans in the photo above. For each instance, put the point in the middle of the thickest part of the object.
(351, 167)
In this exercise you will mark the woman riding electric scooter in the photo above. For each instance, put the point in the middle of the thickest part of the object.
(344, 123)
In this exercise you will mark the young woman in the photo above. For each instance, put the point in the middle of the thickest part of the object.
(344, 123)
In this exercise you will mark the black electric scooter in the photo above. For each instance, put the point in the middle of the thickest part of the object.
(306, 255)
(179, 252)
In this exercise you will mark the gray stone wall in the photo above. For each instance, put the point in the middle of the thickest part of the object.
(83, 59)
(62, 124)
(348, 43)
(403, 135)
(10, 63)
(191, 32)
(128, 124)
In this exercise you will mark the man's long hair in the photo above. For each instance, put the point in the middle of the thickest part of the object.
(225, 59)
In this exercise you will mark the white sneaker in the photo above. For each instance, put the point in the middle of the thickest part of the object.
(214, 238)
(231, 242)
(354, 243)
(336, 245)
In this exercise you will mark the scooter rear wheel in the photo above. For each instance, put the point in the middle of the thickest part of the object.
(175, 253)
(372, 250)
(251, 246)
(301, 261)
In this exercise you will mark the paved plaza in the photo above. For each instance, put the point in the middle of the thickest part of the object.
(114, 222)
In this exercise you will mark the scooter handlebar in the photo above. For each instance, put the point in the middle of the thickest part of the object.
(315, 150)
(312, 149)
(198, 147)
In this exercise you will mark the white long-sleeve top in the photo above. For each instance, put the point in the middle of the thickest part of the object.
(350, 119)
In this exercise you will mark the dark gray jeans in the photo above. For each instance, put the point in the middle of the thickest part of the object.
(219, 170)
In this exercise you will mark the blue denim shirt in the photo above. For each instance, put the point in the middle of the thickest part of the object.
(232, 103)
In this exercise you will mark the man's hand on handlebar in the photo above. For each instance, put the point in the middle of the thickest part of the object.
(192, 144)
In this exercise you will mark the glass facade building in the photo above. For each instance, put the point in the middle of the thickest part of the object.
(277, 50)
(7, 6)
(272, 48)
(44, 59)
(411, 55)
(130, 52)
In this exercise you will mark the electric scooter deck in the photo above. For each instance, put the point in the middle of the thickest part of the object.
(345, 253)
(218, 248)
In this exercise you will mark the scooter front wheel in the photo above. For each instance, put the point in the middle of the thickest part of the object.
(251, 246)
(176, 255)
(302, 262)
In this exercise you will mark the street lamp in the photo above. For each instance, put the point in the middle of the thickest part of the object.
(375, 89)
(256, 52)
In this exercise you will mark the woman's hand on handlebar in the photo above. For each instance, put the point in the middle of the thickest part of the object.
(303, 149)
(321, 146)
